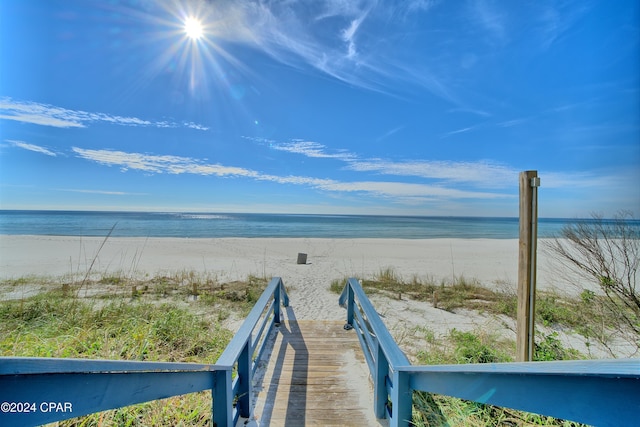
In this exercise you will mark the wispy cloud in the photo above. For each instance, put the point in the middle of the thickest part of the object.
(448, 181)
(158, 164)
(556, 19)
(339, 38)
(513, 122)
(101, 192)
(471, 111)
(313, 149)
(50, 115)
(409, 190)
(371, 44)
(492, 19)
(349, 35)
(163, 164)
(457, 131)
(420, 5)
(478, 174)
(481, 174)
(390, 133)
(32, 147)
(583, 180)
(177, 165)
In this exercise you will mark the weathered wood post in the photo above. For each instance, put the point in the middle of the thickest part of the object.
(529, 183)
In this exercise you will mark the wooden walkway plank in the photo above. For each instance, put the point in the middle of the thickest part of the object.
(315, 375)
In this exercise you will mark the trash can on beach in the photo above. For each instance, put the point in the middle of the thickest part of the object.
(302, 258)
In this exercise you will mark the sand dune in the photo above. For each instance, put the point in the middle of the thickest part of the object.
(491, 261)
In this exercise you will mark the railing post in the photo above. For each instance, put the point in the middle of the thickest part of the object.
(222, 399)
(243, 404)
(380, 394)
(350, 303)
(276, 304)
(401, 400)
(283, 294)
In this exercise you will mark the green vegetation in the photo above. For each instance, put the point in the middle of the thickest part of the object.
(587, 314)
(605, 253)
(159, 319)
(478, 347)
(584, 314)
(178, 318)
(462, 293)
(436, 410)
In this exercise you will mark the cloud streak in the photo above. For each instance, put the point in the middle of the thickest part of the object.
(342, 38)
(312, 149)
(557, 19)
(455, 180)
(50, 115)
(482, 174)
(478, 174)
(491, 19)
(156, 164)
(32, 147)
(101, 192)
(335, 37)
(166, 164)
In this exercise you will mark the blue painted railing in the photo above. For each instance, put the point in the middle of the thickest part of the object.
(36, 391)
(243, 354)
(597, 392)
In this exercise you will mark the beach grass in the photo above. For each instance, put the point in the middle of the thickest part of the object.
(585, 314)
(163, 318)
(437, 410)
(179, 317)
(478, 347)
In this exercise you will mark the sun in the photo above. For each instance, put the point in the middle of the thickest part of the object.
(193, 28)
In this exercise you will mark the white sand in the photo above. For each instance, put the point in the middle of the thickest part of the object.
(487, 260)
(494, 262)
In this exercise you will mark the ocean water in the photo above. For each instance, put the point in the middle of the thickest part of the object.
(208, 225)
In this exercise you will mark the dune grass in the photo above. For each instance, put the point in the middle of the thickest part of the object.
(163, 318)
(437, 410)
(179, 317)
(478, 347)
(582, 314)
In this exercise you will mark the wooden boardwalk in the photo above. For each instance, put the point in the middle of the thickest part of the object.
(316, 375)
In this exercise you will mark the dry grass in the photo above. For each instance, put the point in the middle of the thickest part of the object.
(163, 318)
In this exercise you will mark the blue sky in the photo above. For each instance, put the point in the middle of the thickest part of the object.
(338, 106)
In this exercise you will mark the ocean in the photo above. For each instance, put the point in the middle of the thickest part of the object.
(210, 225)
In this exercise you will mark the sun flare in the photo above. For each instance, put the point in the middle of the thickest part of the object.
(193, 28)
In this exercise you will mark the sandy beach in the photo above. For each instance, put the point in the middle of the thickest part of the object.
(488, 260)
(493, 262)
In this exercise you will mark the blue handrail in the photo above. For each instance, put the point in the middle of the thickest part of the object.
(391, 395)
(243, 353)
(36, 391)
(598, 392)
(603, 392)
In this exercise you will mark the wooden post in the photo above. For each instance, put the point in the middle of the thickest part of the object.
(529, 182)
